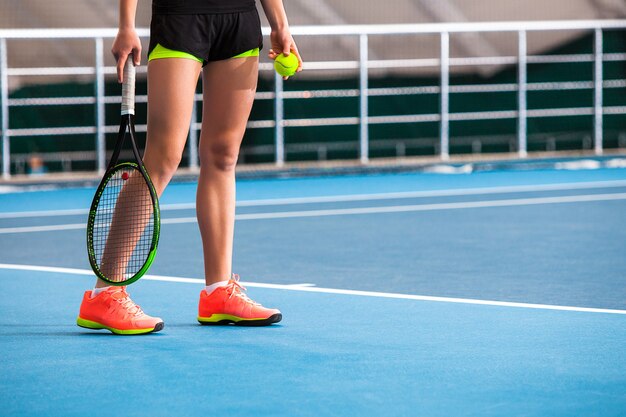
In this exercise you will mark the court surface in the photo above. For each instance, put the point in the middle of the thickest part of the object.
(499, 293)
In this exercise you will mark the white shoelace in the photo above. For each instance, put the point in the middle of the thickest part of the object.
(237, 290)
(127, 304)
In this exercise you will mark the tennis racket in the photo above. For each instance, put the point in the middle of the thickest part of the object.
(123, 224)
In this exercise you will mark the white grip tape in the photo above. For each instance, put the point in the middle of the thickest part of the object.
(128, 87)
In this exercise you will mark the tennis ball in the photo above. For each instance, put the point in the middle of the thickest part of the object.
(286, 65)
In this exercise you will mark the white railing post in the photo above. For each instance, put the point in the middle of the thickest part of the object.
(4, 98)
(193, 136)
(444, 130)
(100, 108)
(598, 78)
(363, 99)
(522, 106)
(279, 138)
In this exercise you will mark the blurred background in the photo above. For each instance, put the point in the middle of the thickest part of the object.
(60, 100)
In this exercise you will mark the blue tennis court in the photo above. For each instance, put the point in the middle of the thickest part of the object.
(489, 293)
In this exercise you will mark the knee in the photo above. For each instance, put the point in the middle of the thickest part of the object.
(163, 165)
(170, 163)
(220, 157)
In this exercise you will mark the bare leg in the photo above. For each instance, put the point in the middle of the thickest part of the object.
(229, 88)
(133, 211)
(171, 86)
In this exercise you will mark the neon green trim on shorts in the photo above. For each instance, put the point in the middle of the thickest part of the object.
(251, 52)
(162, 52)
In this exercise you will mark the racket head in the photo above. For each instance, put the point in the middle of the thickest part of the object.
(121, 254)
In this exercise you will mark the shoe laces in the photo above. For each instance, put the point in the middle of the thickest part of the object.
(235, 289)
(126, 303)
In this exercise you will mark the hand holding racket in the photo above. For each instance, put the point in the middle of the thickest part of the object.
(123, 225)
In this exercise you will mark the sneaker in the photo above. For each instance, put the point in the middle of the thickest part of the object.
(229, 304)
(115, 311)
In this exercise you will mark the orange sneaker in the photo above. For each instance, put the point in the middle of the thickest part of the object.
(229, 304)
(113, 310)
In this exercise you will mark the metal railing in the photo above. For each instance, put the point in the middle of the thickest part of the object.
(444, 62)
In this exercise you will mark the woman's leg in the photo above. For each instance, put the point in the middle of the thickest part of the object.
(229, 87)
(171, 86)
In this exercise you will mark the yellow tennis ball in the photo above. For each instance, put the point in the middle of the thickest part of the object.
(286, 65)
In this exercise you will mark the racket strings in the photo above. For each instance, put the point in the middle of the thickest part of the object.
(124, 225)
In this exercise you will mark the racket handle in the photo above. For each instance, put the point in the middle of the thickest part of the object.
(128, 87)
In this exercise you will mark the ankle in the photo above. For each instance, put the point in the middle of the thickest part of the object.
(212, 287)
(97, 291)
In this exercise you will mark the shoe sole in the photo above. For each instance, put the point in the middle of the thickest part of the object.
(92, 325)
(225, 319)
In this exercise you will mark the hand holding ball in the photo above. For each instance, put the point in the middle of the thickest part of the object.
(286, 65)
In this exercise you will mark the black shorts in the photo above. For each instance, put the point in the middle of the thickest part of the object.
(210, 37)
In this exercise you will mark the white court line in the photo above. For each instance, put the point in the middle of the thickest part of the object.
(353, 197)
(43, 213)
(362, 210)
(436, 193)
(308, 288)
(31, 229)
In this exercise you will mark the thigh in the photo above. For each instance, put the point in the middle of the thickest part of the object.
(171, 87)
(228, 93)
